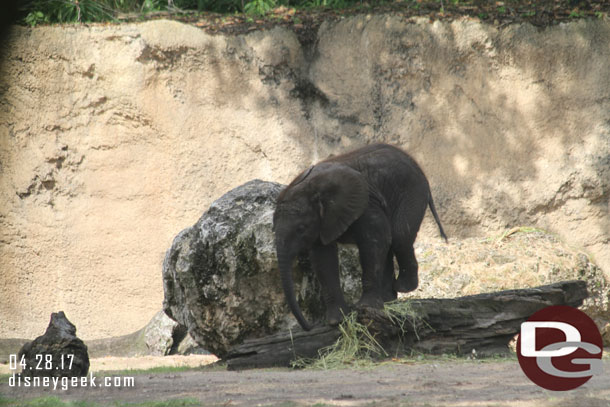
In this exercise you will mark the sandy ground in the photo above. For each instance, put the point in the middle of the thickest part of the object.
(430, 383)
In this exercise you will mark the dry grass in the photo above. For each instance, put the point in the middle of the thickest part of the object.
(356, 347)
(403, 315)
(518, 258)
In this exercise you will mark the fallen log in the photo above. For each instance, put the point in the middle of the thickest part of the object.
(484, 323)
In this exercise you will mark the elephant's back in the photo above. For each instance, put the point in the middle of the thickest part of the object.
(385, 160)
(393, 172)
(367, 153)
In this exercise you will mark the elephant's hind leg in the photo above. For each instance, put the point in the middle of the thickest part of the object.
(406, 222)
(407, 276)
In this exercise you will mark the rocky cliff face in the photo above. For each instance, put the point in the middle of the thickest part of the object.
(114, 138)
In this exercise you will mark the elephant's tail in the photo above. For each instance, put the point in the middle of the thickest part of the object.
(436, 218)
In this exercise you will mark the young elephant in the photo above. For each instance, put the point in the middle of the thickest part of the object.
(374, 197)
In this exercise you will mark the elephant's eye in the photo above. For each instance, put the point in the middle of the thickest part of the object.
(301, 228)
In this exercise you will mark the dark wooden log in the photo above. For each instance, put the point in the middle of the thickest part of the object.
(282, 348)
(484, 323)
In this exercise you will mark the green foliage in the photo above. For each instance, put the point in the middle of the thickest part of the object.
(152, 5)
(259, 7)
(337, 4)
(67, 11)
(84, 11)
(217, 6)
(36, 17)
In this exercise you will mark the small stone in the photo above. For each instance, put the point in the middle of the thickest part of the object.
(57, 353)
(188, 346)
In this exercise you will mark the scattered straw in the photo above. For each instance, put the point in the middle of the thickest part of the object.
(356, 347)
(402, 313)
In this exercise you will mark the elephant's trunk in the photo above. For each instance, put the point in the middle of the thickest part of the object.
(285, 266)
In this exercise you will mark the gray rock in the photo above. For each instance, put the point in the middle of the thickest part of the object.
(57, 353)
(220, 276)
(188, 346)
(159, 334)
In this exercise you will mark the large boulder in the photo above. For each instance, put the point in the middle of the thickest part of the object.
(220, 276)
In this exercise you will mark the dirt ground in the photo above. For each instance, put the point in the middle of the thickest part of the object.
(427, 383)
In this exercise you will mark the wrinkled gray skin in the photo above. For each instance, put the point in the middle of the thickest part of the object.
(374, 197)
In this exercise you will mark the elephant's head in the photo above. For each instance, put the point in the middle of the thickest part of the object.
(318, 206)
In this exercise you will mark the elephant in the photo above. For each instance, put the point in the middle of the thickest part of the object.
(374, 197)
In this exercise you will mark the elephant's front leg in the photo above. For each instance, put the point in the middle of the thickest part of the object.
(325, 262)
(373, 236)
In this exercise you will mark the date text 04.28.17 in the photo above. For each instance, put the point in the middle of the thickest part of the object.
(42, 362)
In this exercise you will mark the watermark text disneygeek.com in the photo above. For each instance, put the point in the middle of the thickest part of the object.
(65, 383)
(49, 371)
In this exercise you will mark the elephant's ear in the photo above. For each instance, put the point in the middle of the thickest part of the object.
(342, 194)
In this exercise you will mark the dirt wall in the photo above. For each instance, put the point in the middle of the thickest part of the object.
(113, 138)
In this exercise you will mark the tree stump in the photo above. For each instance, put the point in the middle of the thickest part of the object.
(484, 322)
